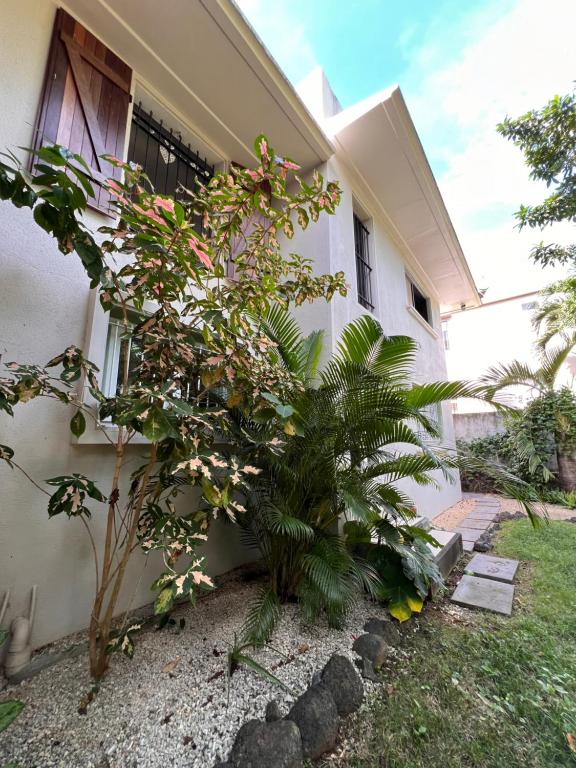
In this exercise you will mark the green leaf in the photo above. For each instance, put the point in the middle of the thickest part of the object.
(78, 424)
(248, 661)
(157, 426)
(9, 711)
(284, 411)
(164, 601)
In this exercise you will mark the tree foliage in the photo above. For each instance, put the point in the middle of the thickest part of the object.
(328, 514)
(529, 445)
(547, 138)
(168, 260)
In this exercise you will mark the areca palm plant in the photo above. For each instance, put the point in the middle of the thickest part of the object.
(327, 512)
(546, 428)
(556, 317)
(542, 379)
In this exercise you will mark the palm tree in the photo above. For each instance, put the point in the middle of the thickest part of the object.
(543, 379)
(557, 315)
(327, 514)
(525, 432)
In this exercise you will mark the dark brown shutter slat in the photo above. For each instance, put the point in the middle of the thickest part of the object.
(85, 99)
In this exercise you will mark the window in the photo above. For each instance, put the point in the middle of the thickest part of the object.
(121, 346)
(116, 351)
(434, 414)
(418, 301)
(445, 334)
(168, 162)
(363, 268)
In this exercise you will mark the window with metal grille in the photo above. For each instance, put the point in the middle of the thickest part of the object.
(363, 268)
(169, 163)
(122, 349)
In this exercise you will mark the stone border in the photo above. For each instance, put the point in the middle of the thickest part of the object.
(310, 728)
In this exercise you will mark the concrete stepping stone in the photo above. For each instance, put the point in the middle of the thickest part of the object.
(495, 568)
(469, 534)
(468, 545)
(474, 592)
(481, 515)
(475, 525)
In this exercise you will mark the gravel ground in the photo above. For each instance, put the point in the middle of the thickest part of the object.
(453, 516)
(154, 713)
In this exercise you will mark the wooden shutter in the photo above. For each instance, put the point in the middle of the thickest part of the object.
(85, 99)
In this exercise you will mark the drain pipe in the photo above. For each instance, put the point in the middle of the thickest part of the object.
(20, 648)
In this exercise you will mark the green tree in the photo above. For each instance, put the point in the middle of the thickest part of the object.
(199, 337)
(327, 512)
(547, 138)
(556, 316)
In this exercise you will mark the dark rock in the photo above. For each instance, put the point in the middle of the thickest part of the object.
(344, 683)
(316, 716)
(502, 517)
(273, 712)
(368, 671)
(274, 745)
(484, 543)
(385, 628)
(316, 677)
(371, 647)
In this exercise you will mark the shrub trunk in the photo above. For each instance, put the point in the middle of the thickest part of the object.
(567, 471)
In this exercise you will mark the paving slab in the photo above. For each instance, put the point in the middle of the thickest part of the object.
(474, 592)
(468, 545)
(482, 516)
(495, 568)
(469, 534)
(475, 525)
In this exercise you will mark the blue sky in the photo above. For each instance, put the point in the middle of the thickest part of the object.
(462, 66)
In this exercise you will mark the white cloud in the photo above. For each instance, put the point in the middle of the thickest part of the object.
(515, 64)
(464, 76)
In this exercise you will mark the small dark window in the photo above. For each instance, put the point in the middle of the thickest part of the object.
(363, 268)
(167, 161)
(419, 302)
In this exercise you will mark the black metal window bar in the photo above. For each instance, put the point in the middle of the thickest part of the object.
(363, 268)
(168, 162)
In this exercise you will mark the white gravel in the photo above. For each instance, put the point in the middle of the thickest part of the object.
(144, 717)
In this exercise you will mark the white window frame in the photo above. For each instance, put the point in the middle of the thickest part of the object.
(429, 324)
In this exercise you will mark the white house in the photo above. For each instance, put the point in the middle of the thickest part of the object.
(184, 87)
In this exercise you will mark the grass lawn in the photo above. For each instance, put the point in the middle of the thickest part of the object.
(484, 691)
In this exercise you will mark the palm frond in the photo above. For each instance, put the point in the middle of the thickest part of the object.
(263, 615)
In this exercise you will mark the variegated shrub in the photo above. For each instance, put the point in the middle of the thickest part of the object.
(201, 352)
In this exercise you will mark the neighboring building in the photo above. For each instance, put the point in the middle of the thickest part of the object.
(478, 338)
(184, 88)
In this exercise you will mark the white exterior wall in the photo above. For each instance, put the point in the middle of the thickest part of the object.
(492, 334)
(331, 244)
(46, 305)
